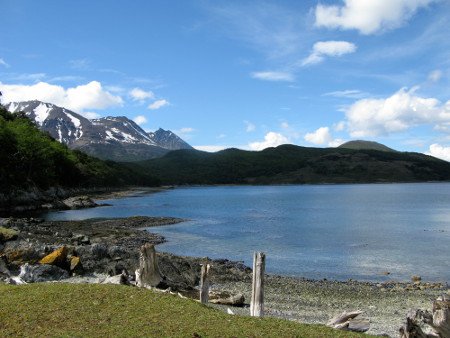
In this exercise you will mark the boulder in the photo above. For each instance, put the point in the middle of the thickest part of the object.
(57, 257)
(79, 202)
(75, 264)
(4, 271)
(225, 298)
(41, 273)
(7, 234)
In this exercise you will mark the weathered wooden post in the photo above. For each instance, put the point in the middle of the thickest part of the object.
(438, 320)
(204, 284)
(148, 274)
(257, 302)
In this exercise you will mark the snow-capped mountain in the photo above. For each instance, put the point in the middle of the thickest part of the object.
(115, 138)
(168, 140)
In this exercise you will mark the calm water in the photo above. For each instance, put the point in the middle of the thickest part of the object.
(315, 231)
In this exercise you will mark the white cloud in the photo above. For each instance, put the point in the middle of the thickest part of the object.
(347, 94)
(80, 98)
(284, 125)
(340, 126)
(158, 104)
(3, 63)
(322, 136)
(368, 16)
(28, 77)
(273, 76)
(210, 149)
(186, 130)
(399, 112)
(435, 75)
(140, 119)
(249, 127)
(271, 139)
(137, 94)
(439, 151)
(322, 49)
(91, 115)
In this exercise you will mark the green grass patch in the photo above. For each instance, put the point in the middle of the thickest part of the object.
(82, 310)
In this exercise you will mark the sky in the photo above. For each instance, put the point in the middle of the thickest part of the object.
(244, 74)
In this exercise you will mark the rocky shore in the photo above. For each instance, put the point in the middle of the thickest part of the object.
(98, 248)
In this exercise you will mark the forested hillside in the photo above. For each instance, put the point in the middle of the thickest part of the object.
(31, 158)
(296, 165)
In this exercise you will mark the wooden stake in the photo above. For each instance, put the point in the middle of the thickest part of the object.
(257, 302)
(204, 284)
(148, 274)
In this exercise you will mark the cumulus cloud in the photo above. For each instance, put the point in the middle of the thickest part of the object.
(399, 112)
(3, 63)
(323, 49)
(439, 151)
(322, 136)
(273, 76)
(158, 104)
(249, 127)
(271, 139)
(137, 94)
(79, 98)
(368, 16)
(140, 119)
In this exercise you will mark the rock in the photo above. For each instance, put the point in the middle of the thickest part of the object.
(7, 234)
(41, 273)
(81, 239)
(79, 202)
(99, 250)
(75, 264)
(122, 279)
(225, 298)
(4, 271)
(416, 279)
(57, 257)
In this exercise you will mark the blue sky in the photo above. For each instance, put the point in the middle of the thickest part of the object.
(246, 74)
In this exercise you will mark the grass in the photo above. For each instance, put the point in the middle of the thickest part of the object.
(93, 310)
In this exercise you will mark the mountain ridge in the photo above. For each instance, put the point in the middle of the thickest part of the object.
(111, 138)
(290, 164)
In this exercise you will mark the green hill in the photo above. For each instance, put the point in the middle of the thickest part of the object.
(288, 164)
(32, 159)
(98, 310)
(367, 145)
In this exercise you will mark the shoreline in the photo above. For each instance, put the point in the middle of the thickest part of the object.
(110, 245)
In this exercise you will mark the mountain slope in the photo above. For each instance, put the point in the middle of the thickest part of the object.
(112, 138)
(294, 164)
(367, 145)
(33, 160)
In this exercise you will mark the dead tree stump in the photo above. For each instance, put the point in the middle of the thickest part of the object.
(257, 301)
(148, 274)
(204, 284)
(438, 321)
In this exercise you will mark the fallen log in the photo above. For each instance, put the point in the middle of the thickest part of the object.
(348, 321)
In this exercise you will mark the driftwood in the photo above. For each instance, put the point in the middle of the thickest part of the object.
(148, 274)
(257, 302)
(204, 284)
(348, 321)
(438, 321)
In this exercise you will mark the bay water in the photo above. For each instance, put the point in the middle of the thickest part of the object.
(372, 232)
